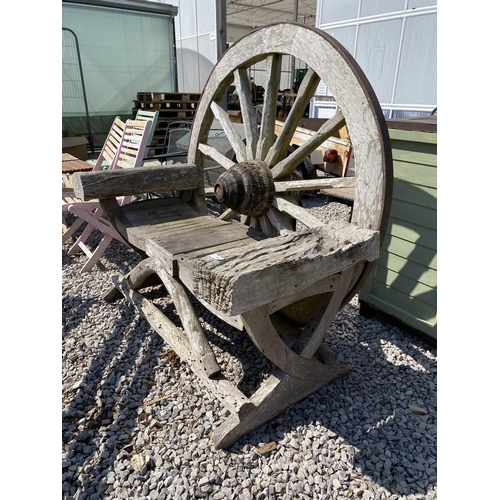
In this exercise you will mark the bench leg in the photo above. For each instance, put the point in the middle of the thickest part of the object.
(198, 346)
(276, 394)
(303, 366)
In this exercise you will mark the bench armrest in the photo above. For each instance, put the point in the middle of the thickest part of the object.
(104, 184)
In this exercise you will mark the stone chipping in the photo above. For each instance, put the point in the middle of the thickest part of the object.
(137, 423)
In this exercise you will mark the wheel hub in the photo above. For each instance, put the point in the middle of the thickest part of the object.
(246, 187)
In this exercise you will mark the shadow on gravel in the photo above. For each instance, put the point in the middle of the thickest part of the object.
(368, 411)
(74, 310)
(372, 434)
(105, 401)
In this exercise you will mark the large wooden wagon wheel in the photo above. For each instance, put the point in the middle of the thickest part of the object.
(258, 184)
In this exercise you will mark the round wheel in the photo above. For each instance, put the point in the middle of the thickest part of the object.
(258, 183)
(358, 110)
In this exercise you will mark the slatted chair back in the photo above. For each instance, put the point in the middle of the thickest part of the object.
(107, 156)
(134, 144)
(152, 116)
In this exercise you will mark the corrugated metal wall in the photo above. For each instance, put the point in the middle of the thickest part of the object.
(394, 42)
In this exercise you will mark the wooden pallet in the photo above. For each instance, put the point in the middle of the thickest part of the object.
(165, 105)
(166, 96)
(171, 107)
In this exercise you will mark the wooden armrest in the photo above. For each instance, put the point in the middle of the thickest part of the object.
(103, 184)
(242, 278)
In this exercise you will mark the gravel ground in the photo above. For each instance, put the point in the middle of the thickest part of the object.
(370, 435)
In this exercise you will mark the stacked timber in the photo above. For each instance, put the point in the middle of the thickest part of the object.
(171, 106)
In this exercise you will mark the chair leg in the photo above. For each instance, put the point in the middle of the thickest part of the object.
(97, 254)
(70, 230)
(87, 231)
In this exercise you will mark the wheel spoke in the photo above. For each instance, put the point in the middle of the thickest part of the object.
(305, 93)
(242, 82)
(232, 135)
(287, 205)
(222, 160)
(286, 166)
(255, 223)
(273, 75)
(314, 184)
(267, 227)
(280, 221)
(228, 214)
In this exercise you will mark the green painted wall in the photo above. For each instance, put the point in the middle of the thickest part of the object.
(122, 53)
(403, 283)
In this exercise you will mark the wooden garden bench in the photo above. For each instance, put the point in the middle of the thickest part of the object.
(251, 266)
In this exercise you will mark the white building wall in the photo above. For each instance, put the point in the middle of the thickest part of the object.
(196, 42)
(394, 42)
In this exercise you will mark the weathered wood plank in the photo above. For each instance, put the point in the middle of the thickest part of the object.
(342, 195)
(153, 213)
(240, 279)
(114, 183)
(228, 214)
(170, 245)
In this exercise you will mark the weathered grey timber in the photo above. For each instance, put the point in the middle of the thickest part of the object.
(126, 182)
(266, 265)
(241, 278)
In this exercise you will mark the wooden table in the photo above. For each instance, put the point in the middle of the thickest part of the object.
(70, 164)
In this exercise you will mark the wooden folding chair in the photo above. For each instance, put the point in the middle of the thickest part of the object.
(106, 158)
(124, 148)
